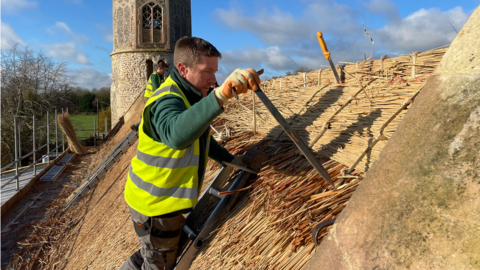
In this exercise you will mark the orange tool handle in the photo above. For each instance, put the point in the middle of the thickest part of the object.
(323, 45)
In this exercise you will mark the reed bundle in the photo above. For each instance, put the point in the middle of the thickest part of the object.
(69, 131)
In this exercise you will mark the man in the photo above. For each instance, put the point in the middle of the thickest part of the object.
(156, 79)
(166, 175)
(154, 82)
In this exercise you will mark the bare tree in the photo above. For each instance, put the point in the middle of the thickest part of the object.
(32, 83)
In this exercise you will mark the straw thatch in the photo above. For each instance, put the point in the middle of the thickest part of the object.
(270, 226)
(69, 131)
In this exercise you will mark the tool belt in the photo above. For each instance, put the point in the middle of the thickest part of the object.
(147, 228)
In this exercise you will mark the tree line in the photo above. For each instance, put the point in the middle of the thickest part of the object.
(32, 84)
(295, 72)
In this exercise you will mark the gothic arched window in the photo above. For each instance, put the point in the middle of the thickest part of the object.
(152, 23)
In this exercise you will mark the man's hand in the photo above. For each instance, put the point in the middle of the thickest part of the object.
(242, 80)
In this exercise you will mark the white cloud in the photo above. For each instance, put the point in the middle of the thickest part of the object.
(272, 57)
(291, 40)
(10, 37)
(89, 78)
(14, 6)
(107, 32)
(66, 51)
(279, 28)
(385, 8)
(63, 27)
(82, 59)
(422, 30)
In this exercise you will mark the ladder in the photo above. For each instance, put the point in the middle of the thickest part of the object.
(198, 236)
(103, 167)
(194, 236)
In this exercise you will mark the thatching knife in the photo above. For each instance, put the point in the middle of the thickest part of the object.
(327, 55)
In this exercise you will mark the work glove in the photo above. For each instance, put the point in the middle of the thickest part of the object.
(241, 79)
(238, 160)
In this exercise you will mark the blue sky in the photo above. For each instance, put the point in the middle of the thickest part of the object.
(278, 36)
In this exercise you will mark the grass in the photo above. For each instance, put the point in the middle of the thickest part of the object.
(81, 121)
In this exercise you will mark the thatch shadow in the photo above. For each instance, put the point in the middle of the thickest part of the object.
(317, 106)
(362, 123)
(306, 119)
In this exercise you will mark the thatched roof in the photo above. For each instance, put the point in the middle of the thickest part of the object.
(271, 224)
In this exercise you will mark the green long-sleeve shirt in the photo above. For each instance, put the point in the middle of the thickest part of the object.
(156, 79)
(178, 128)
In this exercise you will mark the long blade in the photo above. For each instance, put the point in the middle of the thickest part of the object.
(298, 142)
(334, 70)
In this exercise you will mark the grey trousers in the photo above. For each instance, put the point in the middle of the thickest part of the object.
(150, 255)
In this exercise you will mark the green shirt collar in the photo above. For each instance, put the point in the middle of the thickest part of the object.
(193, 95)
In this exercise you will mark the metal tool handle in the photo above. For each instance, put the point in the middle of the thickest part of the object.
(323, 45)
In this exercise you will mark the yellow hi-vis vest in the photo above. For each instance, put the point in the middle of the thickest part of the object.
(150, 89)
(163, 180)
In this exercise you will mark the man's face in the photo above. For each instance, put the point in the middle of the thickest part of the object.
(162, 70)
(202, 75)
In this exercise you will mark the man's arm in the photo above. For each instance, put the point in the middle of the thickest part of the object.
(218, 153)
(155, 81)
(172, 124)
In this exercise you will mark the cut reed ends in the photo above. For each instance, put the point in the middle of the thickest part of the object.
(67, 127)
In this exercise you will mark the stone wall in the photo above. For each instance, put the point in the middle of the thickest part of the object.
(129, 78)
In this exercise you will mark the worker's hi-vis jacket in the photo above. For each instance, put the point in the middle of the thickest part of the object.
(163, 180)
(150, 89)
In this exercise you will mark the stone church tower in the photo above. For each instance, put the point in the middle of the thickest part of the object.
(144, 31)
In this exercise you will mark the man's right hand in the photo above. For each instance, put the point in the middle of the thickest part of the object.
(242, 80)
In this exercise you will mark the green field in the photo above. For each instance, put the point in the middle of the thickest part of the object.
(81, 121)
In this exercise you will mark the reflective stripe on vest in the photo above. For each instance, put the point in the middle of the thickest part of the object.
(162, 180)
(177, 192)
(169, 162)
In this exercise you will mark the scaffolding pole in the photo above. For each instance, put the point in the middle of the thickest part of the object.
(48, 137)
(34, 146)
(56, 134)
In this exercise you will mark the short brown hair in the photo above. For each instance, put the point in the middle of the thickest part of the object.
(161, 63)
(189, 50)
